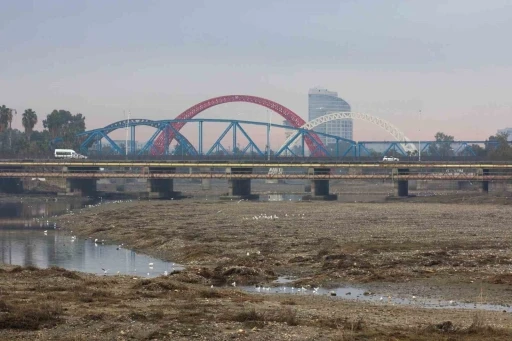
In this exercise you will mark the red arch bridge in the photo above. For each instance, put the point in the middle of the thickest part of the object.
(302, 141)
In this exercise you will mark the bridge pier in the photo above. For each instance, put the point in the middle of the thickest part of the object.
(485, 184)
(81, 186)
(206, 183)
(402, 188)
(11, 185)
(161, 188)
(320, 187)
(239, 188)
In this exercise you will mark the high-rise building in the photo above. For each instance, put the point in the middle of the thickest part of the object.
(321, 102)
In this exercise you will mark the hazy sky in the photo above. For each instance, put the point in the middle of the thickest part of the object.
(450, 59)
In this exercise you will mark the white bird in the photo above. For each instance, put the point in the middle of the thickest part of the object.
(150, 264)
(104, 271)
(96, 241)
(233, 284)
(211, 286)
(248, 253)
(165, 273)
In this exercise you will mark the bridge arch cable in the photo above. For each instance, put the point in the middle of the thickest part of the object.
(333, 116)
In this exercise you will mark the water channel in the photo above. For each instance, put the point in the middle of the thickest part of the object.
(29, 238)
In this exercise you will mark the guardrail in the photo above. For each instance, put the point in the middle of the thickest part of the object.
(494, 176)
(253, 164)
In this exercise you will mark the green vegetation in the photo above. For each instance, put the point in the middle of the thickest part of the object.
(497, 147)
(36, 143)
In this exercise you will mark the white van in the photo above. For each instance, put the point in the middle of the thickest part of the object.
(390, 158)
(68, 154)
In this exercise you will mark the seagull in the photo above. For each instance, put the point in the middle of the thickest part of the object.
(150, 264)
(104, 271)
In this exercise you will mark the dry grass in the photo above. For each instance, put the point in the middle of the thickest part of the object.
(30, 315)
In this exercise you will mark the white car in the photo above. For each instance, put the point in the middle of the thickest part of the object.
(390, 158)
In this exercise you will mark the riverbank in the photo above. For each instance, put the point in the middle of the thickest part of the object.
(55, 304)
(413, 249)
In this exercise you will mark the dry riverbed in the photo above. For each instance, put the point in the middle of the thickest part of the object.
(449, 251)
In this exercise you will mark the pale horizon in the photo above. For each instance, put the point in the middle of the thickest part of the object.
(449, 59)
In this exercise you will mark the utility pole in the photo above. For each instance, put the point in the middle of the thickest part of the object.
(126, 140)
(268, 135)
(419, 139)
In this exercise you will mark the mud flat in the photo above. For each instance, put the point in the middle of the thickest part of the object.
(452, 250)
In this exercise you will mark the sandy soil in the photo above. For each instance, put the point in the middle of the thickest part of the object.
(455, 249)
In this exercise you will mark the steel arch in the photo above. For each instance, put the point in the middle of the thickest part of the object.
(390, 128)
(161, 126)
(294, 119)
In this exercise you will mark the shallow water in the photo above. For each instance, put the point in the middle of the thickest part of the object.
(361, 294)
(28, 238)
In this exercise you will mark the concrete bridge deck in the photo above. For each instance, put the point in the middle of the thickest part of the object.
(306, 176)
(255, 164)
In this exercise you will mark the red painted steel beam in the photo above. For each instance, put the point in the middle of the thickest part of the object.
(294, 119)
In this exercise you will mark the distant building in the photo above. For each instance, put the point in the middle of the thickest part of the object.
(321, 102)
(506, 131)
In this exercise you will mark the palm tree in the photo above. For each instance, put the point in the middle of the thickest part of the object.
(9, 116)
(29, 120)
(4, 118)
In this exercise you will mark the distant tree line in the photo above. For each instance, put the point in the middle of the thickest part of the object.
(496, 147)
(32, 143)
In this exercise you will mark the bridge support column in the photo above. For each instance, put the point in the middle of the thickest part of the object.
(161, 188)
(78, 185)
(206, 183)
(11, 185)
(402, 188)
(485, 184)
(320, 187)
(239, 188)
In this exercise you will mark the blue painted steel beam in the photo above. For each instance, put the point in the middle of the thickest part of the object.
(251, 142)
(114, 145)
(150, 142)
(218, 143)
(183, 142)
